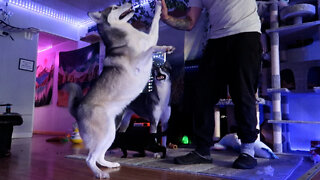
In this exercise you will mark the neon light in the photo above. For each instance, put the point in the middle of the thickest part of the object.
(45, 49)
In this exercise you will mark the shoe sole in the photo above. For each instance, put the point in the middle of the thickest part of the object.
(176, 161)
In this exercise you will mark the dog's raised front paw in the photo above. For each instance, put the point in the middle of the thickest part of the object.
(158, 7)
(170, 49)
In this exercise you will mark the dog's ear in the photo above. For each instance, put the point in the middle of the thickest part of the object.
(96, 16)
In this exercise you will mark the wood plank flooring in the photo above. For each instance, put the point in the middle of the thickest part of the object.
(36, 159)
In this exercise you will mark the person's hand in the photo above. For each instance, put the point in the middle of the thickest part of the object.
(164, 10)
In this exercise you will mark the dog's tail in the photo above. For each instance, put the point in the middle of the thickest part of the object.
(75, 96)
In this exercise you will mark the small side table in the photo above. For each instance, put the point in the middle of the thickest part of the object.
(7, 121)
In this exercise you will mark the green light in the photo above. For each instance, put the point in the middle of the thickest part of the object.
(185, 140)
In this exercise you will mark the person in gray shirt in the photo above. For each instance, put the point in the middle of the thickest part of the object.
(231, 57)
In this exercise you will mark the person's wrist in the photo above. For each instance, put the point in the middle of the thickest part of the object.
(164, 16)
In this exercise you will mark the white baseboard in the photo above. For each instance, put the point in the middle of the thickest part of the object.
(21, 135)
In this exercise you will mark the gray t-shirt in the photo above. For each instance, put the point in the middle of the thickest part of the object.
(228, 17)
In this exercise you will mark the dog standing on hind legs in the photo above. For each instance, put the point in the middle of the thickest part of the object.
(153, 106)
(126, 71)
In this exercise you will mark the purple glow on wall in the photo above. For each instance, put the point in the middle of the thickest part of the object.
(49, 118)
(306, 107)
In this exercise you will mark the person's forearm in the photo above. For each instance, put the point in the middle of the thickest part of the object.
(182, 24)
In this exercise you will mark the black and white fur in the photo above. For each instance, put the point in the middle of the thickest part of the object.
(126, 71)
(153, 106)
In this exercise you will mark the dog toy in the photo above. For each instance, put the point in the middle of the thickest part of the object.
(75, 136)
(173, 146)
(156, 156)
(61, 139)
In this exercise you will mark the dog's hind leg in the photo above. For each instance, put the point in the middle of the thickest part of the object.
(104, 146)
(95, 157)
(106, 163)
(164, 124)
(97, 154)
(93, 137)
(91, 162)
(154, 120)
(125, 152)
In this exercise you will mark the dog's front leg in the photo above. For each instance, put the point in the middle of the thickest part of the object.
(146, 57)
(163, 49)
(154, 30)
(125, 122)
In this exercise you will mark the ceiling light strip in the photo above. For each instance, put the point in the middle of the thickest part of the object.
(44, 10)
(45, 49)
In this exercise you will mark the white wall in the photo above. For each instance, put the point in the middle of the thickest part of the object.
(303, 107)
(17, 86)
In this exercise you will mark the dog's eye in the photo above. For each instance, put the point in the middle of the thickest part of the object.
(115, 7)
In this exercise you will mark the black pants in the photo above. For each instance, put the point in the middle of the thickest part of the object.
(234, 61)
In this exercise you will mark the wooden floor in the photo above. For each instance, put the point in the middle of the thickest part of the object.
(36, 159)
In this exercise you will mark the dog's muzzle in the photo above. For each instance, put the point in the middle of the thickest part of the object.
(160, 77)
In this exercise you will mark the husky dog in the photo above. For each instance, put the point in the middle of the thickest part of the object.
(126, 71)
(153, 106)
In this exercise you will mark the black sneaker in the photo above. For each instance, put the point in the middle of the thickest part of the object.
(5, 154)
(245, 161)
(192, 158)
